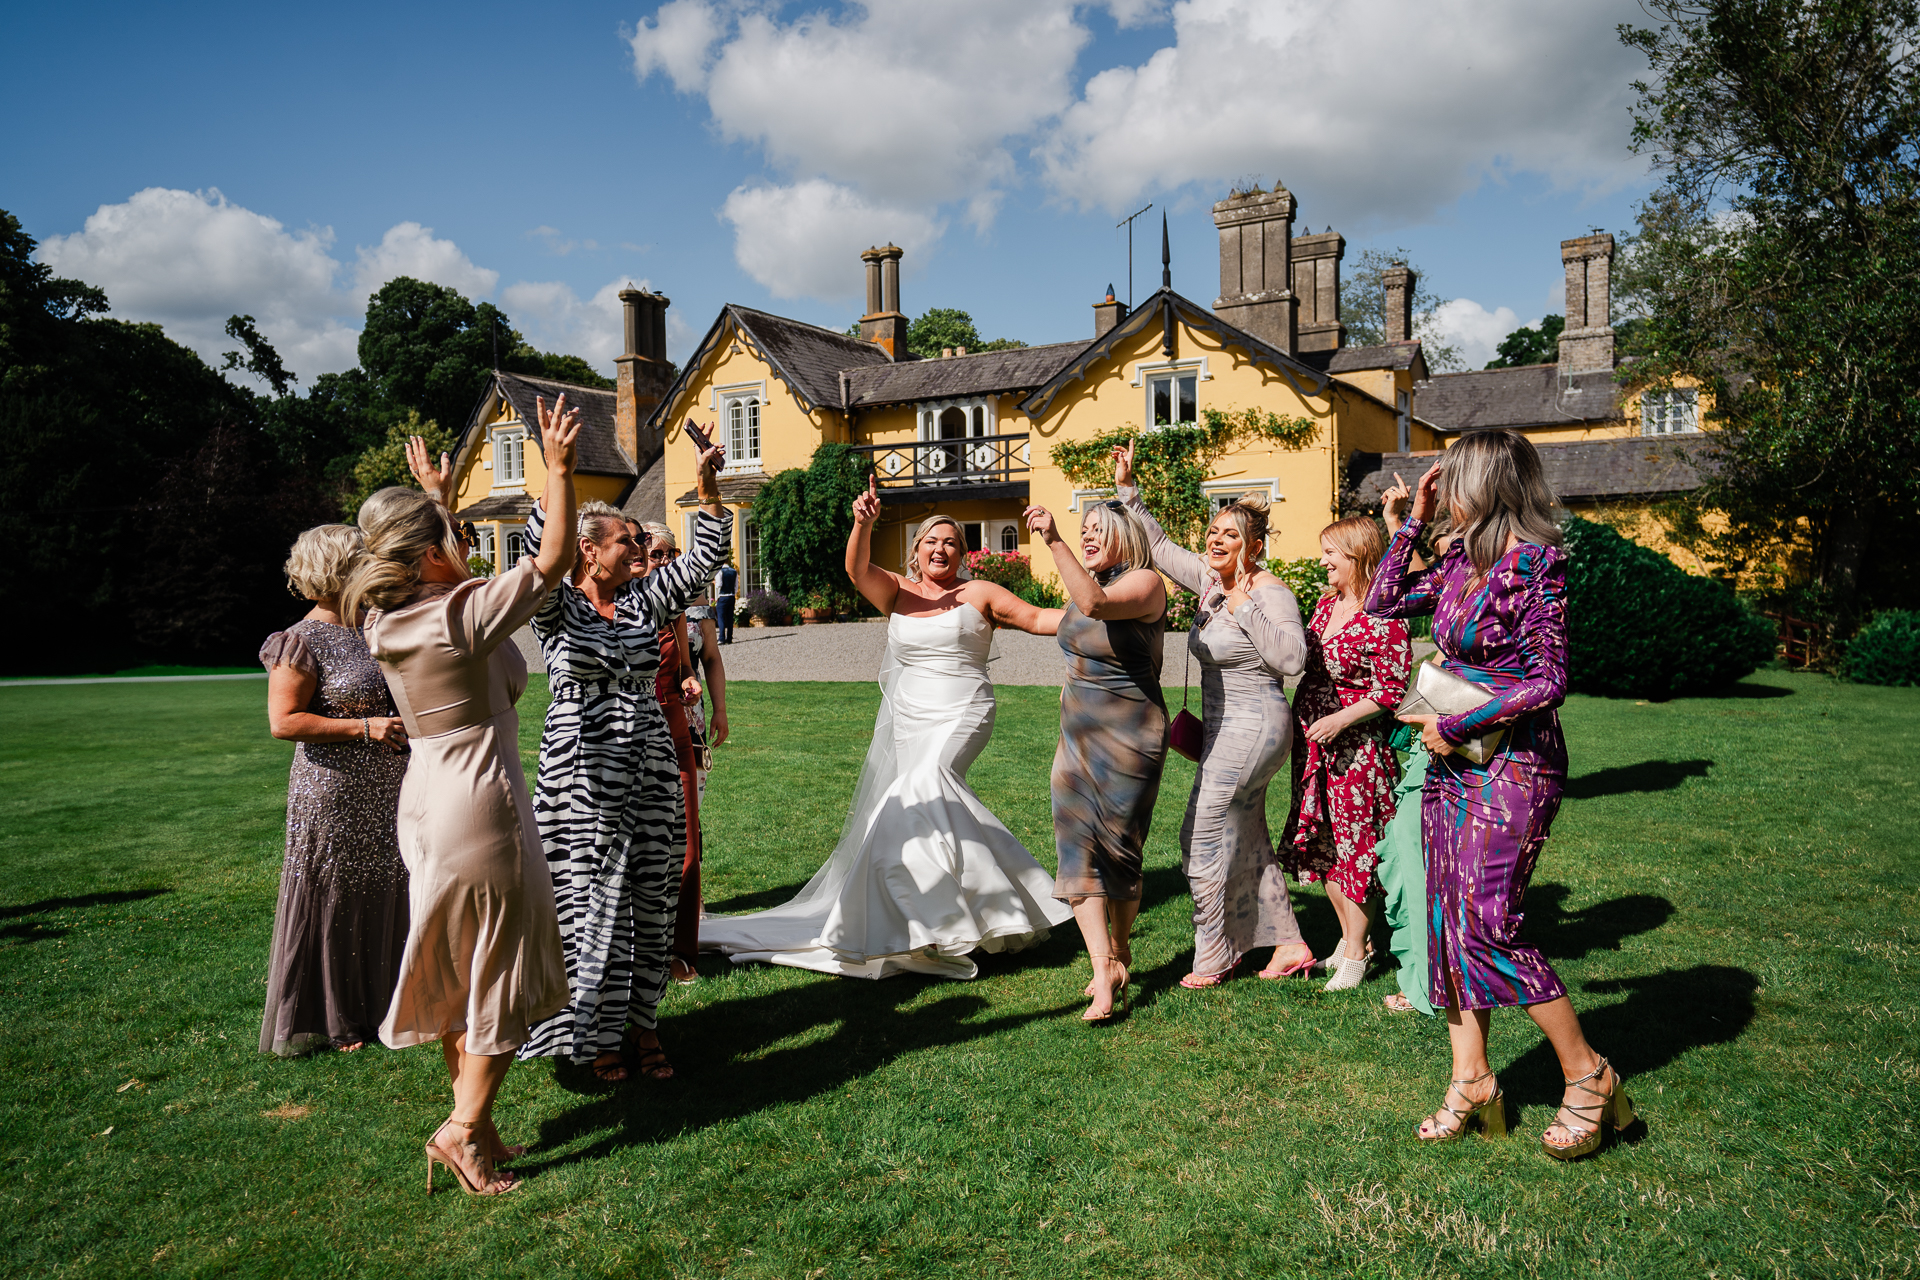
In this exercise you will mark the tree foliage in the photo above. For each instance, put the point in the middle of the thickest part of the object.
(1363, 308)
(386, 463)
(1775, 266)
(805, 517)
(1527, 345)
(943, 328)
(1171, 464)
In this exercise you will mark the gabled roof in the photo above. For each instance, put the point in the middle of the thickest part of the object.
(1387, 355)
(600, 453)
(806, 357)
(1631, 466)
(977, 373)
(1539, 395)
(1155, 311)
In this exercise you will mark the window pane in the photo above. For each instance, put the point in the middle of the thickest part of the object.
(1009, 538)
(972, 530)
(736, 431)
(979, 420)
(1189, 393)
(1161, 390)
(753, 430)
(516, 548)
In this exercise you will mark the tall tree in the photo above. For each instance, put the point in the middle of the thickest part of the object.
(1363, 308)
(1782, 247)
(1527, 345)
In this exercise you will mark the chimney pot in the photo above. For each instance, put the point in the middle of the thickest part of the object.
(946, 353)
(884, 325)
(1107, 315)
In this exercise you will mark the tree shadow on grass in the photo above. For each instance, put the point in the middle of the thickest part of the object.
(1747, 689)
(1664, 1016)
(733, 1058)
(1568, 935)
(741, 903)
(27, 932)
(1648, 775)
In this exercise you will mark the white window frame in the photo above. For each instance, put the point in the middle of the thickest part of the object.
(1221, 492)
(722, 401)
(1084, 498)
(1146, 371)
(483, 545)
(753, 573)
(985, 423)
(509, 534)
(1008, 533)
(509, 441)
(1661, 410)
(687, 525)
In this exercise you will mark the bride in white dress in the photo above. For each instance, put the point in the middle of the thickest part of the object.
(923, 873)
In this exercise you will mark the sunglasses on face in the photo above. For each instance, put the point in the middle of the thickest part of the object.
(662, 557)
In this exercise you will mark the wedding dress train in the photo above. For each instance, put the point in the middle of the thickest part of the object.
(923, 873)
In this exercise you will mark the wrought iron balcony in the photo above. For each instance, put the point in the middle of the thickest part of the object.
(996, 466)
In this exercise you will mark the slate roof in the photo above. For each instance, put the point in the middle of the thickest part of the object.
(499, 506)
(648, 498)
(976, 373)
(1388, 355)
(599, 449)
(1537, 395)
(1631, 466)
(741, 488)
(808, 358)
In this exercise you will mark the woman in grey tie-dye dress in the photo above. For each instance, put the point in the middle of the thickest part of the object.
(1247, 637)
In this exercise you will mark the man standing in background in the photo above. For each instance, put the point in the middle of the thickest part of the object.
(725, 581)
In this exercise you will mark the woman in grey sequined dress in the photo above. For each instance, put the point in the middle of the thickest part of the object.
(341, 923)
(1247, 636)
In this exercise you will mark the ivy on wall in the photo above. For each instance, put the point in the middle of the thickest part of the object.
(1171, 464)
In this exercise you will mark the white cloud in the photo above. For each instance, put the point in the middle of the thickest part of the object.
(1473, 329)
(1366, 131)
(805, 240)
(409, 249)
(555, 318)
(677, 42)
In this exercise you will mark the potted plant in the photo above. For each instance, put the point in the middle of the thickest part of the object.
(765, 609)
(814, 606)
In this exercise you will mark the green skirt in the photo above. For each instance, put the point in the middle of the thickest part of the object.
(1403, 876)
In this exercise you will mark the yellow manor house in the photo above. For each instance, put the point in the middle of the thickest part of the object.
(972, 434)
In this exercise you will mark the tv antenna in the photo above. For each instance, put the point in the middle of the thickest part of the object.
(1127, 222)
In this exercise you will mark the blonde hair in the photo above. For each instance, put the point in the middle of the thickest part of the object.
(1250, 513)
(654, 529)
(1358, 538)
(1496, 480)
(920, 531)
(1121, 534)
(321, 558)
(595, 519)
(400, 526)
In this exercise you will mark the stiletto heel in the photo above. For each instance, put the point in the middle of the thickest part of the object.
(1117, 991)
(1614, 1108)
(1276, 970)
(1492, 1113)
(488, 1185)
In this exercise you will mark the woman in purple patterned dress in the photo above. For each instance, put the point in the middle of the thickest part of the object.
(1498, 599)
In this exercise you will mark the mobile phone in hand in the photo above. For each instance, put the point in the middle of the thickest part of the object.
(700, 438)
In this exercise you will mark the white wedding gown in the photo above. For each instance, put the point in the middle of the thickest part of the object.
(923, 873)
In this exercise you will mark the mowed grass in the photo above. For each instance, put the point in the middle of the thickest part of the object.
(1730, 893)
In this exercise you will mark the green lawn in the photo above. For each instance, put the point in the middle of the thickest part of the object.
(1730, 893)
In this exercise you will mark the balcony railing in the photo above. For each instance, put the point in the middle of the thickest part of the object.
(964, 460)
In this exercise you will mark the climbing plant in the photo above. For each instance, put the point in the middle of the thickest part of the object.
(1171, 464)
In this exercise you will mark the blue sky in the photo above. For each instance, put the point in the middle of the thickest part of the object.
(202, 160)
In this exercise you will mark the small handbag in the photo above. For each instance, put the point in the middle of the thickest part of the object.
(1186, 733)
(1437, 691)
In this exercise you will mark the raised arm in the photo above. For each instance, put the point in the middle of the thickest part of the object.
(879, 586)
(559, 437)
(1271, 620)
(1403, 587)
(1542, 629)
(1005, 609)
(1169, 557)
(1139, 593)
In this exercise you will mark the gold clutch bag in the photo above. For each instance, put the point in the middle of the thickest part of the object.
(1437, 691)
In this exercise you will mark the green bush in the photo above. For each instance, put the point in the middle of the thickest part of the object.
(1305, 577)
(1640, 626)
(1043, 595)
(1887, 650)
(1009, 569)
(805, 517)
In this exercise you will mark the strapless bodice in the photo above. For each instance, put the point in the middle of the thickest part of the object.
(955, 643)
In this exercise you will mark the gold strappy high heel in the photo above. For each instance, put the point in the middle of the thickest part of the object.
(489, 1185)
(1614, 1108)
(1492, 1113)
(1119, 994)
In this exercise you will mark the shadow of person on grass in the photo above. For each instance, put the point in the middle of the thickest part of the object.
(1625, 779)
(733, 1058)
(1664, 1016)
(1568, 935)
(29, 932)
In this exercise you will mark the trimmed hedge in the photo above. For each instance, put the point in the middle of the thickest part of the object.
(1887, 650)
(1640, 626)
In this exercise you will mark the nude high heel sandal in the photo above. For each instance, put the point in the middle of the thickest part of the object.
(1492, 1113)
(1118, 997)
(489, 1185)
(1614, 1108)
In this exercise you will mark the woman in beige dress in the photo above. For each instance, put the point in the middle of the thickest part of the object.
(483, 960)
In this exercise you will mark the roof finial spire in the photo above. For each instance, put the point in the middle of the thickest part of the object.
(1166, 254)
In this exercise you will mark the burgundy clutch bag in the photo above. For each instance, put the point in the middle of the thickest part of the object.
(1186, 734)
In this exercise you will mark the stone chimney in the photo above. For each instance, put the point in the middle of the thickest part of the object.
(644, 373)
(1587, 341)
(1256, 271)
(1316, 283)
(1398, 282)
(1108, 314)
(884, 325)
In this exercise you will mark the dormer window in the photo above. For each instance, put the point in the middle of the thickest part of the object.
(510, 457)
(1173, 390)
(739, 407)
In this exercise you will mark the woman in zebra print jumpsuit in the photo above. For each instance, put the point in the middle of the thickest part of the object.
(608, 802)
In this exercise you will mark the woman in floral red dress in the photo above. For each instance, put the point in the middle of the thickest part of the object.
(1343, 769)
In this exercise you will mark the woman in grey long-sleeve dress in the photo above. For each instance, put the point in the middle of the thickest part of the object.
(1247, 636)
